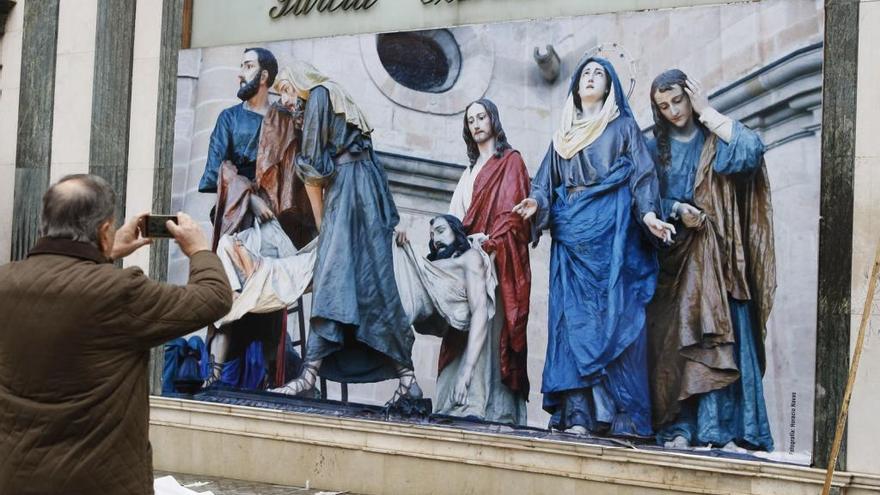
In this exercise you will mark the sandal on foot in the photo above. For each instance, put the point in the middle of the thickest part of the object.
(407, 387)
(306, 381)
(216, 372)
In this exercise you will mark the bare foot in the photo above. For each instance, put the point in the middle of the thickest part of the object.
(733, 447)
(241, 260)
(577, 430)
(407, 386)
(679, 442)
(216, 372)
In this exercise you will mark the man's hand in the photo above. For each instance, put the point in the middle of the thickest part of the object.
(288, 102)
(659, 228)
(188, 234)
(486, 243)
(460, 391)
(260, 209)
(128, 237)
(400, 237)
(526, 208)
(699, 100)
(690, 215)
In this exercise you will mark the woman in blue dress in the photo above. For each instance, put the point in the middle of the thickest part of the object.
(717, 281)
(358, 331)
(596, 191)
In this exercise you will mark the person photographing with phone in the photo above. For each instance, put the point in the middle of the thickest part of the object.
(75, 335)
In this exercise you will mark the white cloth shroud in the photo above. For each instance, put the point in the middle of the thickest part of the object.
(429, 287)
(282, 273)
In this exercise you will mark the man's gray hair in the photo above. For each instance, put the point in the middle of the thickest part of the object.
(76, 206)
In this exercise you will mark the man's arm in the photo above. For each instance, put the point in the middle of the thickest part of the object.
(218, 151)
(478, 301)
(316, 200)
(156, 312)
(160, 312)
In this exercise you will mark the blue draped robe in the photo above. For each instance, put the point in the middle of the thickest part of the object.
(602, 275)
(358, 325)
(236, 137)
(736, 412)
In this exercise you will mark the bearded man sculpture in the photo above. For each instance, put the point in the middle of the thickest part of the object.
(454, 293)
(493, 183)
(249, 167)
(358, 330)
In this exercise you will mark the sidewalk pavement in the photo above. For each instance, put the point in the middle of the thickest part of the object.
(226, 486)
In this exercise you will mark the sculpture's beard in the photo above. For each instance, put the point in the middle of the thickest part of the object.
(249, 89)
(482, 137)
(443, 252)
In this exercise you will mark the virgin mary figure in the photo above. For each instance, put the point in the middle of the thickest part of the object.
(596, 191)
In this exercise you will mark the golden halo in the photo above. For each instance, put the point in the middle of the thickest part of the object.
(623, 63)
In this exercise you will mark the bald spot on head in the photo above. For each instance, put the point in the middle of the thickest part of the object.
(69, 190)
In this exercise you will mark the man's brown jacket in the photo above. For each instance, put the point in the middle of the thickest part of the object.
(75, 335)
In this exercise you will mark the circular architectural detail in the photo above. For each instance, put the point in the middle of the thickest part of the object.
(427, 61)
(438, 71)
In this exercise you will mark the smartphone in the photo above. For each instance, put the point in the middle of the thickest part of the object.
(154, 225)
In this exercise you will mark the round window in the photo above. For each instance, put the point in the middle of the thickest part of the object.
(426, 61)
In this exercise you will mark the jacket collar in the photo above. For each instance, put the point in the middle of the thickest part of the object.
(68, 247)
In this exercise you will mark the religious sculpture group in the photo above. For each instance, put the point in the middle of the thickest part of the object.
(662, 273)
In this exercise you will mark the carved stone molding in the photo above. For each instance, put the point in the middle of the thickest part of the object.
(234, 441)
(782, 101)
(419, 184)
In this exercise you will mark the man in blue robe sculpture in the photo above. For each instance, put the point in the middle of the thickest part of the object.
(717, 280)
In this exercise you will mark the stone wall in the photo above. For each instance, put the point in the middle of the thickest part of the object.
(717, 45)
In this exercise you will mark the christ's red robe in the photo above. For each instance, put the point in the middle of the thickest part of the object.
(501, 185)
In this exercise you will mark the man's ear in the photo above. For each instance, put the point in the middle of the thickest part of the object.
(104, 228)
(264, 77)
(104, 234)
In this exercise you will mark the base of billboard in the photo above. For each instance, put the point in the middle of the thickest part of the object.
(378, 457)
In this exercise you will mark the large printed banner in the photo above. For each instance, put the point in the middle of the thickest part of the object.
(618, 238)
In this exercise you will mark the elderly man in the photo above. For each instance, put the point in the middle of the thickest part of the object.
(75, 334)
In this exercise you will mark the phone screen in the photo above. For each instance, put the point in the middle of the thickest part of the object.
(154, 225)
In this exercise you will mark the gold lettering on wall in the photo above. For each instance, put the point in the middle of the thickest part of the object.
(305, 7)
